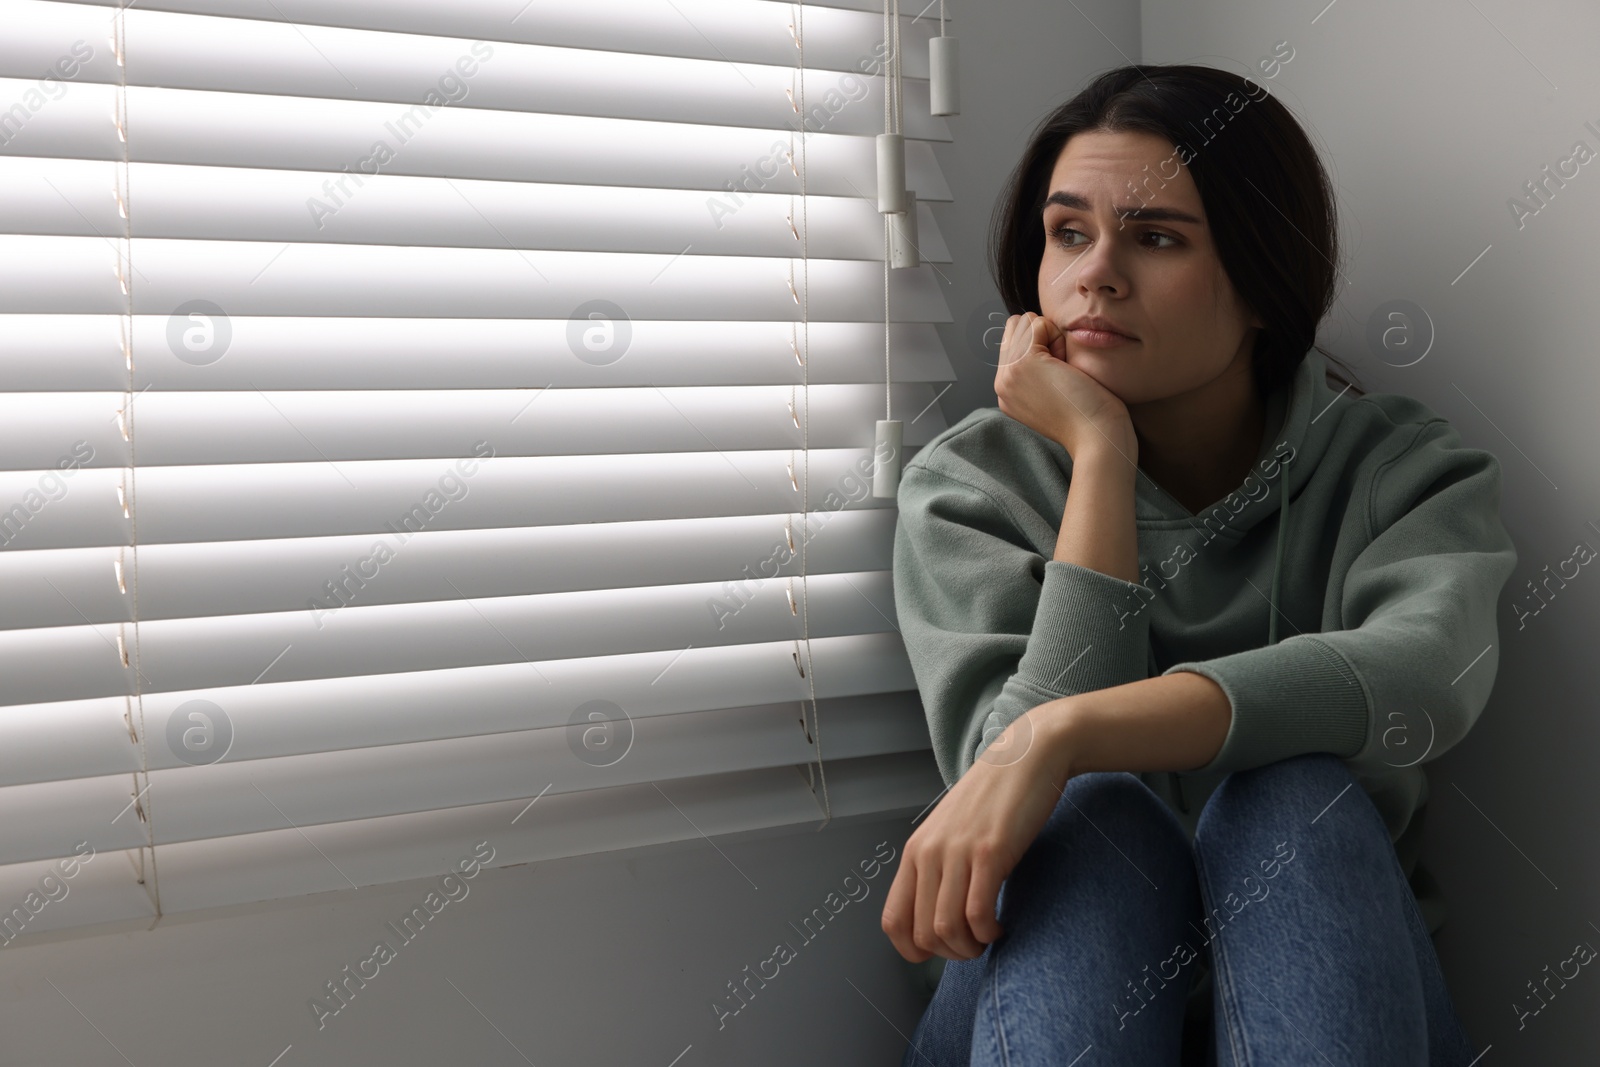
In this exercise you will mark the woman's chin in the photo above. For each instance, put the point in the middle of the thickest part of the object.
(1096, 365)
(1111, 376)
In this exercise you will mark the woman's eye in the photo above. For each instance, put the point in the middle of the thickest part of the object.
(1059, 234)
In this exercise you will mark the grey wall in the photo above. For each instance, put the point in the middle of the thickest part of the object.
(596, 961)
(1433, 116)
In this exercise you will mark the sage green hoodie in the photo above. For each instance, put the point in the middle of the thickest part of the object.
(1343, 596)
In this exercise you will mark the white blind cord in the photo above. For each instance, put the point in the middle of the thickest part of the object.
(891, 90)
(899, 107)
(141, 806)
(805, 429)
(888, 86)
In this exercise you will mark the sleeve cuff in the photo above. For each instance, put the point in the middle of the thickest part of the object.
(1297, 696)
(1091, 631)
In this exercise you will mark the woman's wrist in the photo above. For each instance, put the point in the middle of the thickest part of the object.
(1059, 733)
(1112, 453)
(1097, 443)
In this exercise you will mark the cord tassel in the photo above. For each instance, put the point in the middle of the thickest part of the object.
(886, 453)
(903, 235)
(944, 89)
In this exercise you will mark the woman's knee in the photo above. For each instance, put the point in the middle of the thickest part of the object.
(1112, 805)
(1292, 793)
(1111, 857)
(1306, 770)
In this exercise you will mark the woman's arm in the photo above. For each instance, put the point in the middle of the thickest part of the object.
(945, 892)
(944, 895)
(1173, 722)
(1097, 528)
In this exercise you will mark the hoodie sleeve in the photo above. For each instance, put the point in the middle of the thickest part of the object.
(991, 627)
(1410, 670)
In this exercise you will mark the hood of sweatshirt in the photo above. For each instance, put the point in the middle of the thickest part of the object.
(1292, 444)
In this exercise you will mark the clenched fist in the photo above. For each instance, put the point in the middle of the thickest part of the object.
(1038, 387)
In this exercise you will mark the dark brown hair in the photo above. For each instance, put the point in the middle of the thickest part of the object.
(1267, 199)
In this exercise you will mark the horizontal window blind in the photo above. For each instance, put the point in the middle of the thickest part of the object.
(423, 424)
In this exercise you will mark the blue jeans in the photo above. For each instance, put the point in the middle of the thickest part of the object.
(1290, 907)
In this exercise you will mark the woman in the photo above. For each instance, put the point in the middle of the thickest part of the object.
(1166, 605)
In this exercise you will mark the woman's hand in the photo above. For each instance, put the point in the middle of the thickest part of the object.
(943, 898)
(1038, 387)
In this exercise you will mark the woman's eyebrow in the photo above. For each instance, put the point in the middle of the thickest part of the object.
(1127, 211)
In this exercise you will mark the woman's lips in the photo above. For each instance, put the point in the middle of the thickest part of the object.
(1100, 338)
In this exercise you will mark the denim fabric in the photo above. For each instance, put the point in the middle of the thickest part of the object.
(1288, 914)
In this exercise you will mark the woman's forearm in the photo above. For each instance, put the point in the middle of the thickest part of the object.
(1097, 529)
(1172, 722)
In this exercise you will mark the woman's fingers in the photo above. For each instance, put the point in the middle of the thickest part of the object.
(899, 908)
(1048, 336)
(930, 874)
(1039, 334)
(983, 895)
(1007, 340)
(950, 916)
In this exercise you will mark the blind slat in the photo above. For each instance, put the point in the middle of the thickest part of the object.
(333, 136)
(241, 503)
(279, 864)
(423, 73)
(226, 799)
(735, 31)
(62, 353)
(272, 720)
(80, 274)
(310, 426)
(68, 198)
(80, 662)
(67, 587)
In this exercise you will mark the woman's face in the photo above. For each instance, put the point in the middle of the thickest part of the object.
(1157, 278)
